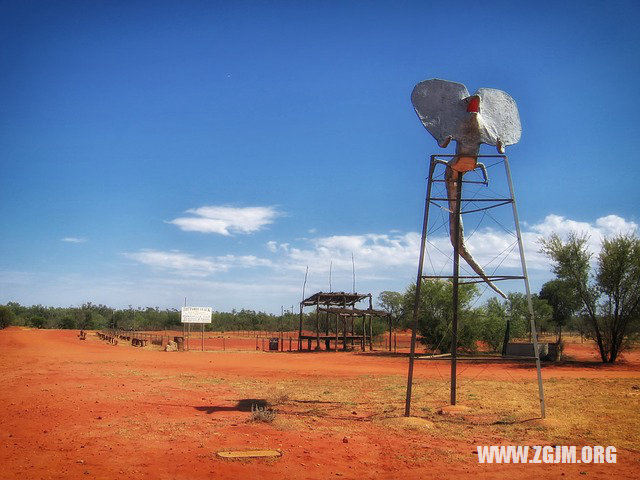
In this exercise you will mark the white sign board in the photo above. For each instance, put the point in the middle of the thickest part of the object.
(196, 315)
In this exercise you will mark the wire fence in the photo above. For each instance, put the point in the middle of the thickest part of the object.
(259, 340)
(252, 340)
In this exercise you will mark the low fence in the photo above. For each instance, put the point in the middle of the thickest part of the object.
(248, 340)
(207, 341)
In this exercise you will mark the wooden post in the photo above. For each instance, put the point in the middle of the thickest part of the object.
(327, 342)
(364, 334)
(317, 323)
(353, 307)
(300, 329)
(370, 333)
(344, 334)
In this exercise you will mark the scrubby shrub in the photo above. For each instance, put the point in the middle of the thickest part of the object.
(6, 317)
(262, 414)
(67, 322)
(436, 312)
(37, 322)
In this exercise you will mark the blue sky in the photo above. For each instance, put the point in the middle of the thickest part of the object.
(151, 151)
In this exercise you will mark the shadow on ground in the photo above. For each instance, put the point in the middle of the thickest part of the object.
(243, 405)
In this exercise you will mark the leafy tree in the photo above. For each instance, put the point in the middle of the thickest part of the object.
(518, 314)
(6, 316)
(436, 314)
(610, 297)
(392, 303)
(492, 323)
(563, 300)
(37, 322)
(67, 322)
(85, 321)
(19, 313)
(513, 314)
(98, 322)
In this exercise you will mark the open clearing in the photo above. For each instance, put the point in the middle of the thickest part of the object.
(87, 409)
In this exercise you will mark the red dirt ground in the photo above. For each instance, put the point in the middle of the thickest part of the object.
(86, 409)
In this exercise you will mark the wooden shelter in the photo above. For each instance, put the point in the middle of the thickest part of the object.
(340, 313)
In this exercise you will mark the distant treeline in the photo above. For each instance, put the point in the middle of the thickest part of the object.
(99, 317)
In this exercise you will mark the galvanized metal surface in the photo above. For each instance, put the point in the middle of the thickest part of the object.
(453, 357)
(442, 107)
(449, 113)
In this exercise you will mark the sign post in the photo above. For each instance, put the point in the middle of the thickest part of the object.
(199, 315)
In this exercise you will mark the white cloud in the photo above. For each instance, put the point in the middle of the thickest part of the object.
(613, 225)
(190, 265)
(226, 220)
(496, 250)
(394, 254)
(179, 262)
(386, 261)
(603, 227)
(274, 246)
(369, 250)
(244, 261)
(73, 240)
(164, 291)
(383, 261)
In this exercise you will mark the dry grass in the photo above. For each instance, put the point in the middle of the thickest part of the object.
(589, 412)
(263, 414)
(601, 411)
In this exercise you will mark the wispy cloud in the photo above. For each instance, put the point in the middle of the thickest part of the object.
(226, 220)
(190, 265)
(275, 277)
(73, 240)
(387, 255)
(382, 260)
(491, 247)
(371, 251)
(602, 228)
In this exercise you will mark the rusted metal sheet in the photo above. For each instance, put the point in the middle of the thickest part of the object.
(334, 298)
(355, 311)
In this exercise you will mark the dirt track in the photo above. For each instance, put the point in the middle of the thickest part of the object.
(86, 409)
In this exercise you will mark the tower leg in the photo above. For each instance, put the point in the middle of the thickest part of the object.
(416, 302)
(455, 299)
(534, 334)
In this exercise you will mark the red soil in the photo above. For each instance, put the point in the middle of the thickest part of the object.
(85, 409)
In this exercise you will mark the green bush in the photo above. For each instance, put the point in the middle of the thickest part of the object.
(492, 324)
(67, 322)
(6, 317)
(436, 314)
(37, 322)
